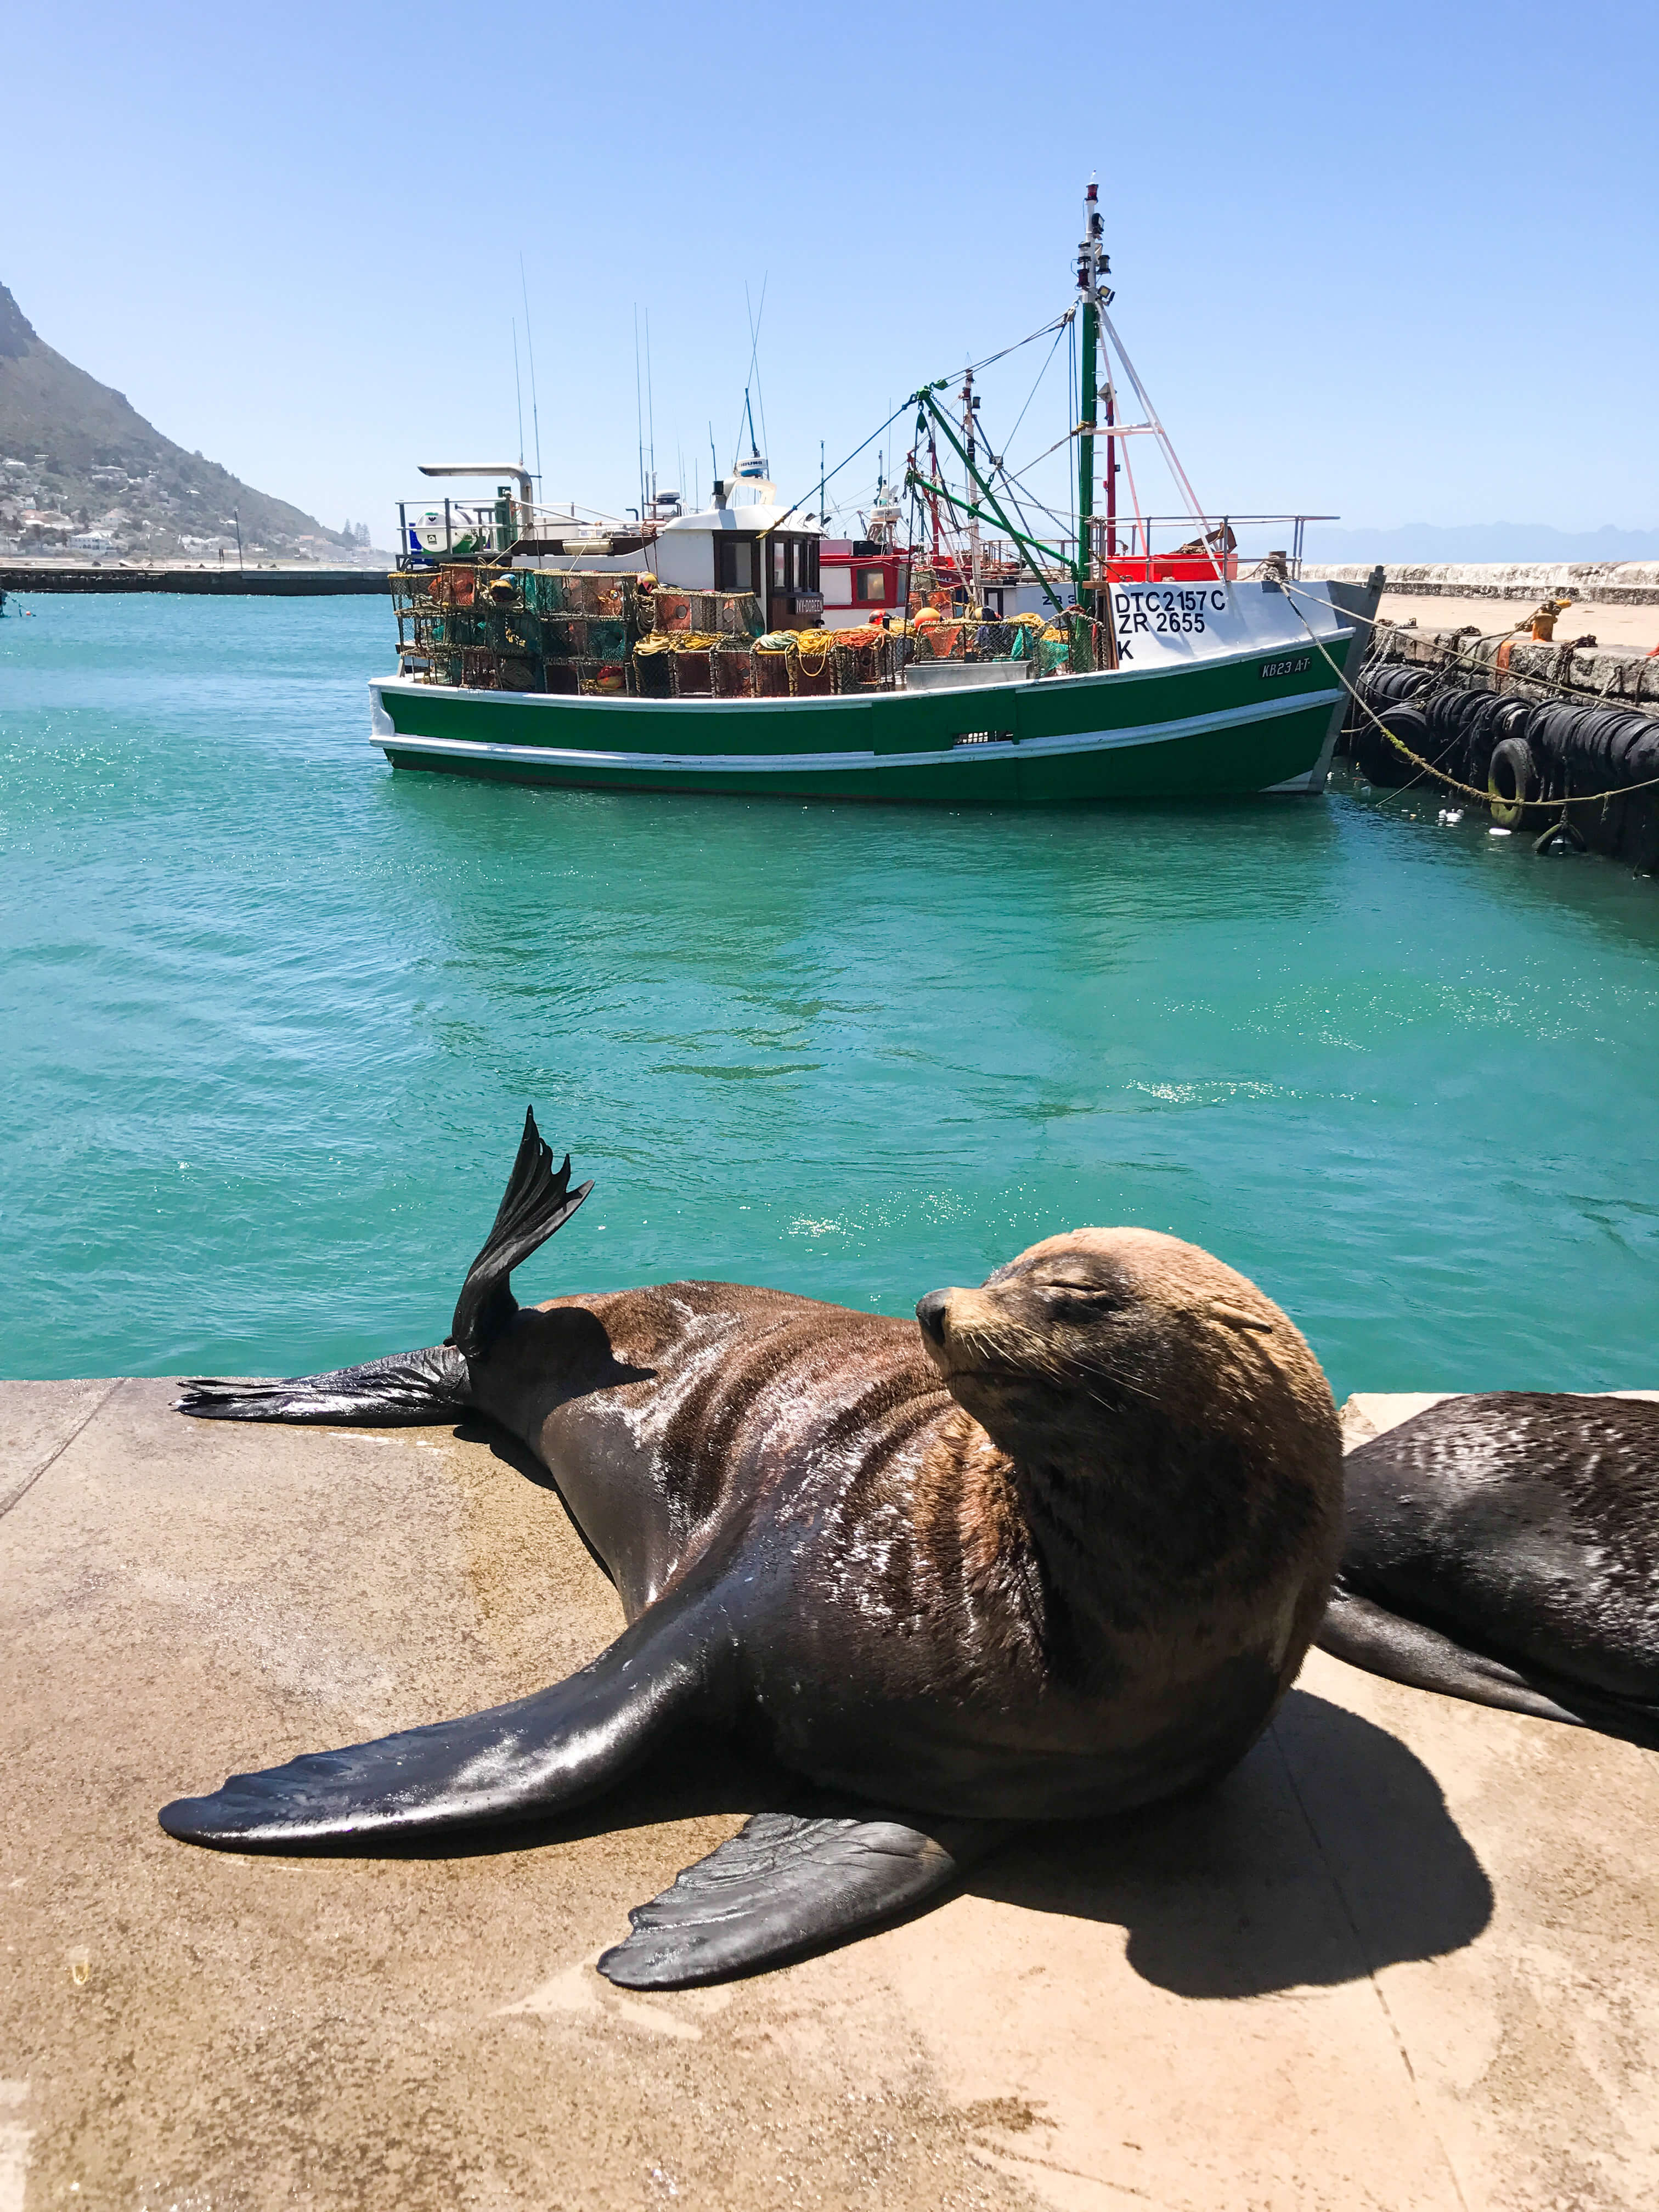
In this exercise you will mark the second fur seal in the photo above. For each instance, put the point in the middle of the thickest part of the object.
(1057, 1551)
(1504, 1547)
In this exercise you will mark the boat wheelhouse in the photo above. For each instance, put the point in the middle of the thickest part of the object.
(754, 547)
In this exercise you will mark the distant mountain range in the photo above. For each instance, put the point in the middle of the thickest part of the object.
(1480, 541)
(75, 458)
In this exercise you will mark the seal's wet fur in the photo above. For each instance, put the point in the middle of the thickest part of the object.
(1058, 1551)
(1504, 1548)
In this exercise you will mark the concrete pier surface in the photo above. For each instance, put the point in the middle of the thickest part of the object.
(1404, 1958)
(1617, 602)
(1624, 628)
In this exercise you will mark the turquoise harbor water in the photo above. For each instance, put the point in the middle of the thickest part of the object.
(272, 1015)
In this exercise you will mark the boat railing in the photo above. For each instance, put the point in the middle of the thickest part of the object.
(1138, 548)
(1147, 549)
(432, 530)
(1069, 643)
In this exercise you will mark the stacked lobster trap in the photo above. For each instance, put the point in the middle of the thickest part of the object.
(939, 625)
(714, 645)
(517, 629)
(487, 629)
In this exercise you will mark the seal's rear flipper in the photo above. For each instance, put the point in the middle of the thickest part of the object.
(1367, 1634)
(411, 1387)
(535, 1203)
(515, 1762)
(784, 1885)
(420, 1386)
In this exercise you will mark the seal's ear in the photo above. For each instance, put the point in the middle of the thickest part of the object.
(535, 1203)
(1236, 1317)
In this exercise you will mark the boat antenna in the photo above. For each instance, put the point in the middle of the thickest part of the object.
(535, 410)
(650, 409)
(970, 411)
(518, 390)
(639, 410)
(752, 380)
(754, 357)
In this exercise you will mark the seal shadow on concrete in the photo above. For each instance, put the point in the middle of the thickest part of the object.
(511, 1453)
(1328, 1854)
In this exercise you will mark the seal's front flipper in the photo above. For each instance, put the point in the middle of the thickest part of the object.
(784, 1885)
(520, 1761)
(411, 1387)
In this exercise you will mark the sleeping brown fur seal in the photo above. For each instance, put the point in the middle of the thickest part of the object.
(1504, 1547)
(1056, 1553)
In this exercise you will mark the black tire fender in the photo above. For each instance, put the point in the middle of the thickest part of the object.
(1512, 781)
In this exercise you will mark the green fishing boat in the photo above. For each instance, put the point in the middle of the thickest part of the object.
(690, 651)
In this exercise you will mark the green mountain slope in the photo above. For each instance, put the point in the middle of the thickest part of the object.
(71, 446)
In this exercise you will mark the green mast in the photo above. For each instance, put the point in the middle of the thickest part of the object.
(1089, 260)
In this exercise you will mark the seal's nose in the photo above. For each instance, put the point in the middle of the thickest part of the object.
(931, 1312)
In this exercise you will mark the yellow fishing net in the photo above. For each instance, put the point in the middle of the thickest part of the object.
(678, 641)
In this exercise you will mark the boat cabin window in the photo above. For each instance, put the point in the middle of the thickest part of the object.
(869, 585)
(734, 564)
(794, 565)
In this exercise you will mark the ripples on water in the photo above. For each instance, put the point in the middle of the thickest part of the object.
(273, 1013)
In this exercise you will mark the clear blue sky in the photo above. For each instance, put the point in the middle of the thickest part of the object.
(1396, 263)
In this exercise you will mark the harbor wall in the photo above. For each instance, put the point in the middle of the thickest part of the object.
(1585, 718)
(216, 582)
(1606, 675)
(1618, 583)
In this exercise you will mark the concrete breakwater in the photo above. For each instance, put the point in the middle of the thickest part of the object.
(1614, 583)
(1601, 675)
(216, 582)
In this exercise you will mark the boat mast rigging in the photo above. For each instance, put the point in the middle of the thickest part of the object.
(975, 564)
(1090, 261)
